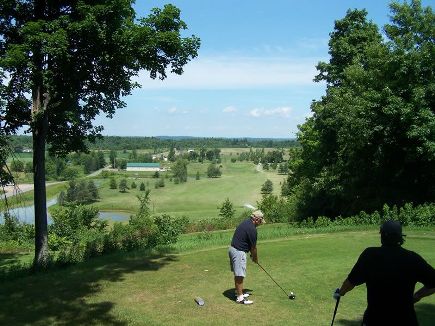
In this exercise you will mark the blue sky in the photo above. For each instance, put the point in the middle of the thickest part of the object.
(254, 73)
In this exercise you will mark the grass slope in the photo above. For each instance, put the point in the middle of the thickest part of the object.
(198, 199)
(137, 289)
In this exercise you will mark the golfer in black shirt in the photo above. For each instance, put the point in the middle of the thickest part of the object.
(244, 240)
(390, 273)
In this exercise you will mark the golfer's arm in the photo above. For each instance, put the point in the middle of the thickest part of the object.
(423, 292)
(346, 287)
(254, 254)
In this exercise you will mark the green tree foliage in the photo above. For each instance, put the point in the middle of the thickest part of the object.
(77, 60)
(163, 144)
(28, 167)
(113, 184)
(276, 209)
(123, 186)
(226, 210)
(142, 186)
(283, 168)
(171, 155)
(160, 183)
(285, 189)
(61, 198)
(267, 187)
(179, 170)
(213, 171)
(275, 156)
(144, 203)
(17, 166)
(371, 138)
(79, 193)
(112, 158)
(13, 230)
(70, 221)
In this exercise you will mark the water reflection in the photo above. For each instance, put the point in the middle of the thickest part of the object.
(26, 214)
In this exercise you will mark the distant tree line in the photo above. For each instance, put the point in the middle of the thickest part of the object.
(158, 144)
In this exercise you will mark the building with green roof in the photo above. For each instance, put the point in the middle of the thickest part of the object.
(144, 167)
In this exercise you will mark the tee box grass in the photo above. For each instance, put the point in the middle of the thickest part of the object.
(142, 289)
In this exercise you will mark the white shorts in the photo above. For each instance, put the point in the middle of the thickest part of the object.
(237, 261)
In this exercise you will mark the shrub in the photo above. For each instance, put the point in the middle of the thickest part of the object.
(14, 230)
(276, 209)
(226, 210)
(168, 229)
(322, 221)
(422, 215)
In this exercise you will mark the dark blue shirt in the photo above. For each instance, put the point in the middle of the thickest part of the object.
(390, 274)
(245, 236)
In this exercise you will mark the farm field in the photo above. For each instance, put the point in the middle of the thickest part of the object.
(139, 289)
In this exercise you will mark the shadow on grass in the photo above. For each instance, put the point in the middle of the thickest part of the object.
(425, 314)
(7, 259)
(63, 296)
(346, 322)
(231, 293)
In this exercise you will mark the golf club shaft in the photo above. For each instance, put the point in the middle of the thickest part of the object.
(272, 279)
(335, 311)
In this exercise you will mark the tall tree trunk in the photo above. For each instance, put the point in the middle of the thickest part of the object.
(39, 131)
(40, 201)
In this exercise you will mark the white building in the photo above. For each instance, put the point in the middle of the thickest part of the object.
(144, 167)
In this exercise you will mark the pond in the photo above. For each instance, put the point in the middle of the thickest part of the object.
(26, 214)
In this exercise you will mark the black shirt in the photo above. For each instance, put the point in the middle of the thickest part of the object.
(245, 236)
(390, 274)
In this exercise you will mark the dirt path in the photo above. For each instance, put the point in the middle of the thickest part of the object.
(17, 189)
(14, 190)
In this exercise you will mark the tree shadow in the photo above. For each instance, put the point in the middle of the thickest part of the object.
(347, 322)
(230, 293)
(425, 314)
(7, 259)
(59, 296)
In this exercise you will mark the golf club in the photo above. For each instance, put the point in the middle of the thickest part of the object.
(291, 295)
(250, 206)
(335, 310)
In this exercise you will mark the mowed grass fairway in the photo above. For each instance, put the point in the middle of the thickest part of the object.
(136, 289)
(197, 199)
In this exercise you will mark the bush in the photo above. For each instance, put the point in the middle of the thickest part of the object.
(226, 210)
(422, 215)
(168, 229)
(276, 209)
(322, 221)
(14, 230)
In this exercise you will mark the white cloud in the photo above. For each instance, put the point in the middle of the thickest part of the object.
(232, 72)
(229, 109)
(172, 110)
(283, 112)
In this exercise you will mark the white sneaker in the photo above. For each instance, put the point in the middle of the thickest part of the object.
(245, 295)
(244, 301)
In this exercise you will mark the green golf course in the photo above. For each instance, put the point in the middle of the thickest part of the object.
(159, 289)
(240, 182)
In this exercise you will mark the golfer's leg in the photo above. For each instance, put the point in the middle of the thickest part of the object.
(238, 281)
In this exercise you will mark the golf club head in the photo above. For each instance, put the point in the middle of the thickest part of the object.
(291, 296)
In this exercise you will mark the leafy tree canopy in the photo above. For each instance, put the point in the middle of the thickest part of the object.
(62, 63)
(371, 138)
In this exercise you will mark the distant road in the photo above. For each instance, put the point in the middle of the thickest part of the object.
(14, 190)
